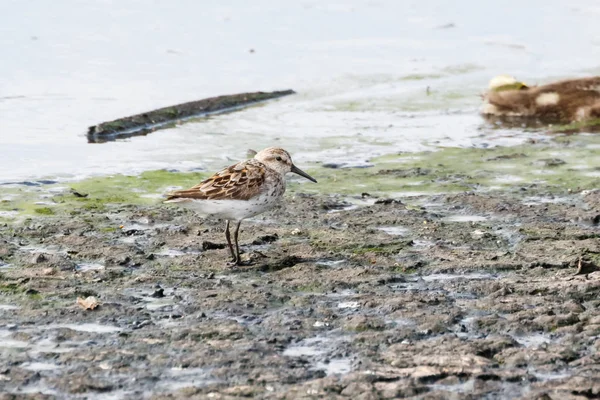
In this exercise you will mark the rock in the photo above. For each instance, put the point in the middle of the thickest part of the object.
(479, 234)
(38, 258)
(549, 162)
(405, 173)
(78, 194)
(349, 164)
(574, 307)
(277, 265)
(265, 239)
(387, 201)
(585, 267)
(89, 303)
(206, 245)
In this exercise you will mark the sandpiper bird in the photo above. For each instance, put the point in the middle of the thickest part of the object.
(240, 191)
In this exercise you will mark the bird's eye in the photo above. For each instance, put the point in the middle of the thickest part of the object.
(278, 158)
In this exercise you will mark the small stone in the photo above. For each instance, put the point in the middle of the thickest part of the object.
(352, 164)
(123, 260)
(38, 258)
(479, 234)
(89, 303)
(206, 245)
(387, 201)
(585, 267)
(550, 162)
(77, 194)
(265, 239)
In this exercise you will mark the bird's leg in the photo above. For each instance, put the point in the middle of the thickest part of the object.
(237, 244)
(228, 236)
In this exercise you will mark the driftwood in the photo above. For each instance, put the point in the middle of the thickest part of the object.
(142, 124)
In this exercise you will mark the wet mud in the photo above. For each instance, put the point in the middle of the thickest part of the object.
(461, 273)
(434, 296)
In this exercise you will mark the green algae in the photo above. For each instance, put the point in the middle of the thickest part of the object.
(311, 288)
(420, 77)
(578, 126)
(560, 167)
(10, 288)
(424, 99)
(94, 194)
(422, 92)
(126, 188)
(562, 163)
(462, 69)
(44, 211)
(383, 249)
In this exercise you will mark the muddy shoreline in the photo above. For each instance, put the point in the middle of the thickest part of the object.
(362, 295)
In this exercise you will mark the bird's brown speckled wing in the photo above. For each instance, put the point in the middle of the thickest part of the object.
(241, 181)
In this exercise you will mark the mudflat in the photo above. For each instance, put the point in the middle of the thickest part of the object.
(482, 283)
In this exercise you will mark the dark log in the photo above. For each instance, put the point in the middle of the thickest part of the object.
(167, 117)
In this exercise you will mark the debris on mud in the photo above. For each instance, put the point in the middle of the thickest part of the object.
(89, 303)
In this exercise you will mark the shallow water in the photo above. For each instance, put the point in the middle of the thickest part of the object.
(533, 340)
(372, 77)
(338, 366)
(89, 267)
(394, 230)
(448, 277)
(464, 218)
(308, 347)
(87, 327)
(40, 366)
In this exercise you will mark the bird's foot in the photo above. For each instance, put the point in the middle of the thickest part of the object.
(238, 263)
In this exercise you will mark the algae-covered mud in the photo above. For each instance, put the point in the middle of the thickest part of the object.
(461, 273)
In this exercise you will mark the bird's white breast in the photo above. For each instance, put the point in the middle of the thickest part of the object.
(237, 209)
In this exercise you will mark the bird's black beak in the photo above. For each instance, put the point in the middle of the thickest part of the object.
(298, 171)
